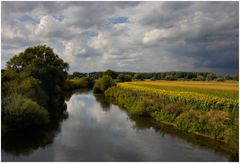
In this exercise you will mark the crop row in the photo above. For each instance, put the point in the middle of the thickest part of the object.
(201, 101)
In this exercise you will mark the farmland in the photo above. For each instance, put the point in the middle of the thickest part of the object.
(204, 95)
(207, 108)
(228, 89)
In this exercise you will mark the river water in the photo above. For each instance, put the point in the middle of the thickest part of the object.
(96, 130)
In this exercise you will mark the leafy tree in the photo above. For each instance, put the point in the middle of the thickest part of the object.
(210, 76)
(111, 73)
(42, 63)
(219, 79)
(127, 78)
(200, 78)
(32, 87)
(123, 78)
(103, 84)
(76, 83)
(169, 77)
(138, 77)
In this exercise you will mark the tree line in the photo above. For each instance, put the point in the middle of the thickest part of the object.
(172, 75)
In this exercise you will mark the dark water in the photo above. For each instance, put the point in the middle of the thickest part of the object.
(96, 130)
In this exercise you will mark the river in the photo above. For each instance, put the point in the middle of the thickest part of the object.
(96, 130)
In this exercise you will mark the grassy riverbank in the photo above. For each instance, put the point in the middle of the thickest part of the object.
(205, 108)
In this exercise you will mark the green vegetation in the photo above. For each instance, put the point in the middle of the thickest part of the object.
(217, 123)
(20, 112)
(103, 84)
(172, 75)
(110, 73)
(35, 81)
(76, 83)
(123, 78)
(32, 88)
(137, 77)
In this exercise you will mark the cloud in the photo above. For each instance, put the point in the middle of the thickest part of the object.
(127, 36)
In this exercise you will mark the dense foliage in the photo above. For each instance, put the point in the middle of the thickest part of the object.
(76, 83)
(123, 78)
(32, 87)
(103, 84)
(172, 75)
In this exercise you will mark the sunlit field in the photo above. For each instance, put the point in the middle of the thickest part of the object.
(228, 89)
(218, 95)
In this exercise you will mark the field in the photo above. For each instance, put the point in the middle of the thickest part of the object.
(208, 108)
(203, 95)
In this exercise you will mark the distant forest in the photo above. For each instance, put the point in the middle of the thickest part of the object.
(172, 75)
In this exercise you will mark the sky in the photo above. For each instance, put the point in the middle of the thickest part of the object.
(127, 36)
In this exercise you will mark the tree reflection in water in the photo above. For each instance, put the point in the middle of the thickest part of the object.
(25, 142)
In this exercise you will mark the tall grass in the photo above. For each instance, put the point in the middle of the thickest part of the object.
(216, 123)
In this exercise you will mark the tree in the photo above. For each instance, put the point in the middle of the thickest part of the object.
(38, 56)
(169, 77)
(41, 63)
(103, 84)
(120, 77)
(138, 77)
(111, 73)
(123, 78)
(210, 76)
(200, 78)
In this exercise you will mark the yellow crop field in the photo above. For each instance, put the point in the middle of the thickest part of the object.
(204, 95)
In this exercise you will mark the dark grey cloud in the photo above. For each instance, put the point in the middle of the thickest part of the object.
(127, 36)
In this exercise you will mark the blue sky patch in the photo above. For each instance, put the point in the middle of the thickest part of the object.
(59, 17)
(119, 20)
(27, 18)
(92, 34)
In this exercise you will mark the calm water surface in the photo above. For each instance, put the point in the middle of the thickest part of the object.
(96, 130)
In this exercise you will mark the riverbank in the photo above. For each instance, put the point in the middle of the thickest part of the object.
(110, 134)
(220, 125)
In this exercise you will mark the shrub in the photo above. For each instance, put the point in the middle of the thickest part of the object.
(123, 78)
(22, 112)
(142, 107)
(103, 84)
(219, 122)
(77, 82)
(137, 77)
(219, 79)
(168, 113)
(191, 121)
(169, 77)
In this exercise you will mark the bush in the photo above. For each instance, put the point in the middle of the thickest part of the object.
(77, 82)
(142, 106)
(191, 121)
(169, 77)
(219, 122)
(103, 84)
(22, 112)
(169, 112)
(220, 79)
(123, 78)
(97, 87)
(138, 77)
